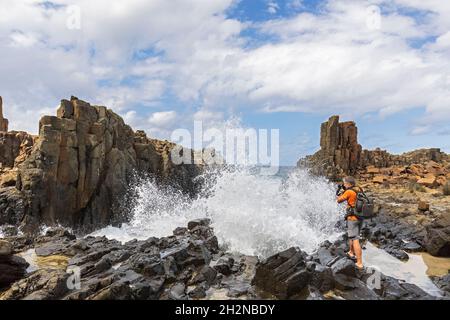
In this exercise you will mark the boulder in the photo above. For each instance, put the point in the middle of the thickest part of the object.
(429, 181)
(322, 278)
(12, 268)
(379, 179)
(43, 284)
(283, 275)
(373, 170)
(5, 248)
(345, 267)
(423, 206)
(443, 282)
(199, 222)
(437, 239)
(412, 247)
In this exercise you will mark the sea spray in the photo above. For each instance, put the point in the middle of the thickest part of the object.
(251, 214)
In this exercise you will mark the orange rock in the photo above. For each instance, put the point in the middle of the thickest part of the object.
(441, 180)
(416, 169)
(372, 170)
(423, 206)
(379, 179)
(398, 171)
(429, 181)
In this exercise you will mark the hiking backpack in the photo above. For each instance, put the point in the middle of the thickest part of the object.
(364, 206)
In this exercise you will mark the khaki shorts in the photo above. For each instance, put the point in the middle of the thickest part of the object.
(354, 229)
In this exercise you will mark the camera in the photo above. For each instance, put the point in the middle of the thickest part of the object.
(341, 188)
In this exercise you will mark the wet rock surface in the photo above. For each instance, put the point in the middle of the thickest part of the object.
(12, 267)
(329, 274)
(186, 265)
(437, 239)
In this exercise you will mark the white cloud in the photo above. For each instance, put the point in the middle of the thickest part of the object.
(329, 62)
(272, 7)
(295, 4)
(162, 119)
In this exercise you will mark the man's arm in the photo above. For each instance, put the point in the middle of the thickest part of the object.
(343, 198)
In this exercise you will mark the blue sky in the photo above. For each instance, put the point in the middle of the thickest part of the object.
(287, 65)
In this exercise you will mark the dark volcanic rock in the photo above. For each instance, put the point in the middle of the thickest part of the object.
(283, 274)
(12, 268)
(291, 274)
(186, 266)
(322, 278)
(443, 283)
(437, 240)
(174, 267)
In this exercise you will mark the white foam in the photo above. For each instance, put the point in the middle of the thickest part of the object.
(250, 213)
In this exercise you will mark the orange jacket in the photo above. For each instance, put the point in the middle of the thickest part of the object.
(350, 197)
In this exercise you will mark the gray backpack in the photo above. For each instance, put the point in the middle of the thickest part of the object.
(364, 206)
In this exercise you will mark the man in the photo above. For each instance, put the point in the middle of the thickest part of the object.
(353, 223)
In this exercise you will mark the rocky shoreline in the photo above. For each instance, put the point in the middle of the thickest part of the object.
(189, 264)
(76, 174)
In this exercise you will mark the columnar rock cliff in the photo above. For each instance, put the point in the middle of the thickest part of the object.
(340, 151)
(14, 148)
(80, 167)
(340, 154)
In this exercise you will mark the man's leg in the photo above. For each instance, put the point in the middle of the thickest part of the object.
(358, 252)
(351, 250)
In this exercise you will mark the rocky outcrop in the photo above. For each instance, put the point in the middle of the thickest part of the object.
(437, 240)
(340, 154)
(186, 265)
(339, 149)
(3, 121)
(293, 274)
(15, 147)
(189, 265)
(12, 267)
(80, 167)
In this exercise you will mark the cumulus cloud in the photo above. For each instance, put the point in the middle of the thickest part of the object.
(131, 55)
(162, 119)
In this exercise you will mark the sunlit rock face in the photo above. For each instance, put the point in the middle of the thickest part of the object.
(81, 165)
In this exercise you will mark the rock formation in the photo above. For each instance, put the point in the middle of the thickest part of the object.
(339, 149)
(14, 148)
(80, 168)
(292, 274)
(12, 267)
(340, 154)
(188, 265)
(3, 121)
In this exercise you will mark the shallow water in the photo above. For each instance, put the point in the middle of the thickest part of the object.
(412, 271)
(436, 266)
(50, 262)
